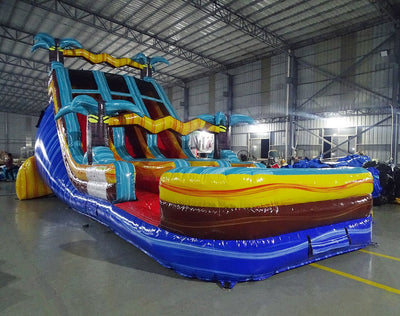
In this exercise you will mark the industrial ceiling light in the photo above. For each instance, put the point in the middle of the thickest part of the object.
(336, 122)
(384, 53)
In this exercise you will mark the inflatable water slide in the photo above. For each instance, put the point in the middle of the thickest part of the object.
(113, 148)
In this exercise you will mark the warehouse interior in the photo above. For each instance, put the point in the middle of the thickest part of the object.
(321, 79)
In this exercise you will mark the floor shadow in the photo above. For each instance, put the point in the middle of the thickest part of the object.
(7, 188)
(108, 247)
(102, 245)
(6, 279)
(9, 295)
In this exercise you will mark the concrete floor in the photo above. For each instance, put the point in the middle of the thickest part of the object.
(54, 261)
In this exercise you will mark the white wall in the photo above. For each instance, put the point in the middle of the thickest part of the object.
(17, 131)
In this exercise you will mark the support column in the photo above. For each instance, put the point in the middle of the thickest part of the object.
(186, 103)
(211, 94)
(230, 95)
(7, 132)
(265, 83)
(229, 104)
(291, 89)
(170, 94)
(348, 56)
(395, 134)
(211, 110)
(395, 99)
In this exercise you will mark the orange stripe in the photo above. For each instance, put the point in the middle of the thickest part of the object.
(257, 189)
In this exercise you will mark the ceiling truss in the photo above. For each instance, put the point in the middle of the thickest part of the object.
(202, 37)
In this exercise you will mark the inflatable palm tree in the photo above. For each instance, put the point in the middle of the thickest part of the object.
(97, 114)
(149, 62)
(55, 46)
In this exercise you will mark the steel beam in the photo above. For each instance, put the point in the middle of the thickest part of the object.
(13, 60)
(186, 103)
(340, 32)
(23, 80)
(110, 25)
(16, 34)
(385, 7)
(341, 76)
(395, 100)
(291, 91)
(26, 38)
(227, 138)
(12, 97)
(334, 146)
(394, 146)
(218, 9)
(227, 15)
(316, 135)
(23, 108)
(14, 88)
(357, 134)
(229, 100)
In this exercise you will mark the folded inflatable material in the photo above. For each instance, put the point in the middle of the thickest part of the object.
(376, 192)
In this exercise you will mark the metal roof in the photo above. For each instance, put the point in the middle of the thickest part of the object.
(197, 37)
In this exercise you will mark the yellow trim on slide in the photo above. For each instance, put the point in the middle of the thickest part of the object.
(168, 122)
(100, 58)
